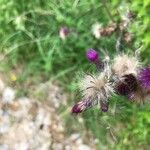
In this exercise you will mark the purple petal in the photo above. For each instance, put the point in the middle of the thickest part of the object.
(82, 106)
(92, 55)
(144, 77)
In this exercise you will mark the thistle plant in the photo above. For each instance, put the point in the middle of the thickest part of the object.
(124, 75)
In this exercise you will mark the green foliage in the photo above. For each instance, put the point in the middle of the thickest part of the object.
(136, 132)
(142, 10)
(29, 36)
(30, 33)
(140, 26)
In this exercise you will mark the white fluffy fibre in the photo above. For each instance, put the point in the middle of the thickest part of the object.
(96, 30)
(124, 64)
(96, 87)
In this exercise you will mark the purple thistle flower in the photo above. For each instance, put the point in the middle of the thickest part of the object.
(127, 85)
(93, 56)
(82, 106)
(144, 77)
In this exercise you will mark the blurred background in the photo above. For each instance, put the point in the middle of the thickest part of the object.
(42, 54)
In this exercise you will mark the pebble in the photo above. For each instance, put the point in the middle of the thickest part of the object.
(2, 85)
(8, 95)
(28, 124)
(84, 147)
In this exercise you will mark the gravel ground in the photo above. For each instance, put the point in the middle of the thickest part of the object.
(29, 124)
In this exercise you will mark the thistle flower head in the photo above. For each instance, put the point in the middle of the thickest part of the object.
(124, 64)
(144, 77)
(96, 86)
(95, 89)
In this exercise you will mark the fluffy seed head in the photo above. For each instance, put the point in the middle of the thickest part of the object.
(124, 64)
(96, 30)
(144, 77)
(96, 87)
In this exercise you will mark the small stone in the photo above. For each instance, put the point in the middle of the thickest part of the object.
(15, 106)
(2, 85)
(74, 136)
(68, 147)
(4, 147)
(4, 122)
(8, 95)
(58, 146)
(84, 147)
(79, 141)
(22, 146)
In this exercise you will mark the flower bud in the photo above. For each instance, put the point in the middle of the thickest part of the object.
(93, 56)
(82, 106)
